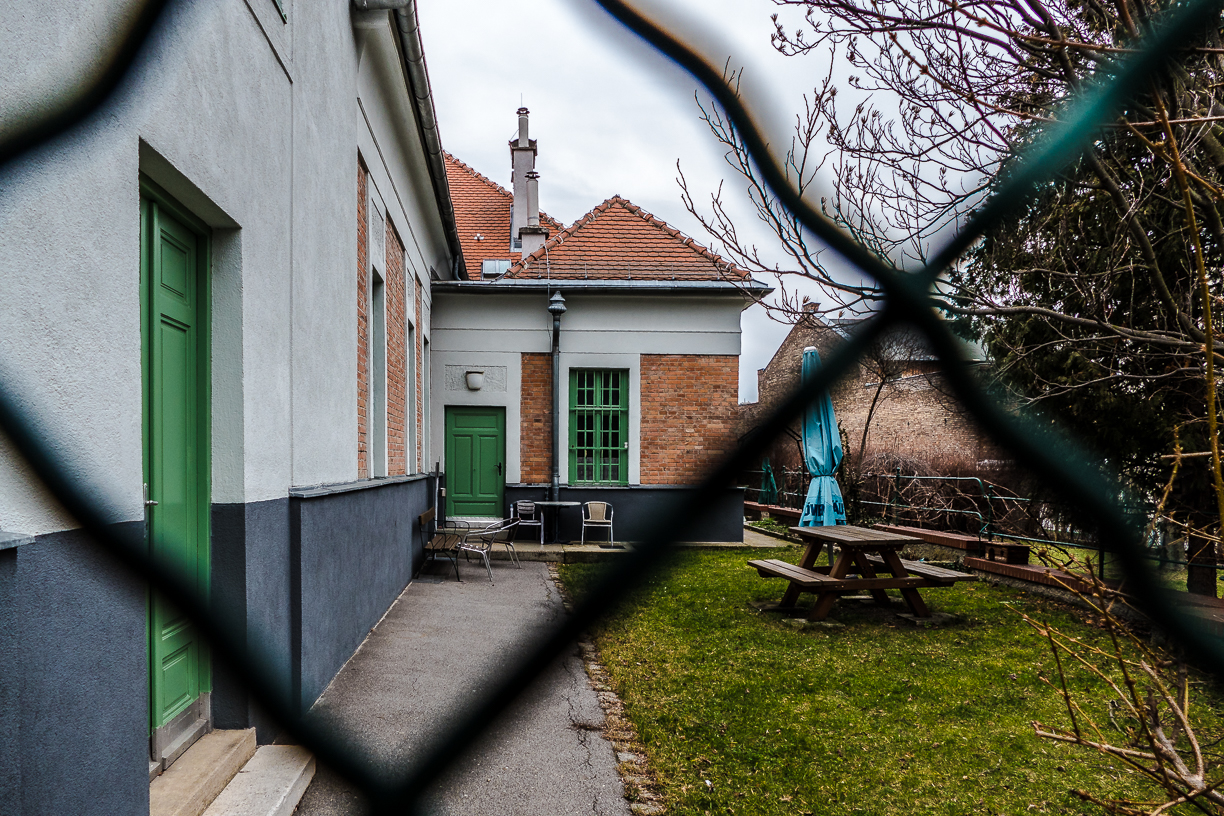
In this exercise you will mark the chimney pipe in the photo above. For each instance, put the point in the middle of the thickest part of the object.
(522, 136)
(533, 199)
(533, 235)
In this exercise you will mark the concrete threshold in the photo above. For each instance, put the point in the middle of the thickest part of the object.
(197, 777)
(270, 784)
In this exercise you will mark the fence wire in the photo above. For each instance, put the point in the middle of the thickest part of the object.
(908, 300)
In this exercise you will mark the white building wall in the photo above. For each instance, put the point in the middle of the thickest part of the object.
(599, 330)
(260, 144)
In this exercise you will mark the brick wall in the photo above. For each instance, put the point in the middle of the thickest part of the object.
(535, 439)
(914, 417)
(688, 415)
(397, 357)
(363, 323)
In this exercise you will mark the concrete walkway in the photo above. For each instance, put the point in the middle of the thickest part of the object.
(427, 658)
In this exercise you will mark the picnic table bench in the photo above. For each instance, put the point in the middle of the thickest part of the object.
(866, 550)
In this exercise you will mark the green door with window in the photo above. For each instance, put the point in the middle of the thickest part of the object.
(475, 460)
(176, 462)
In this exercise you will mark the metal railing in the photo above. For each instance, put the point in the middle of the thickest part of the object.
(908, 300)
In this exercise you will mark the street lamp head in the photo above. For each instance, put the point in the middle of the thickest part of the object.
(556, 305)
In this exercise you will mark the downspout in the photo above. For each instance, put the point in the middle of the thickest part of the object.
(427, 121)
(556, 307)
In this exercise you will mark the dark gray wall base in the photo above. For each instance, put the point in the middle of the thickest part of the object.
(352, 554)
(251, 585)
(74, 721)
(305, 579)
(637, 507)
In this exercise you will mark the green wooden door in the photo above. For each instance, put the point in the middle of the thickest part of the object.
(475, 460)
(173, 282)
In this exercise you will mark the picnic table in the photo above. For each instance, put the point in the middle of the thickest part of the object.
(869, 552)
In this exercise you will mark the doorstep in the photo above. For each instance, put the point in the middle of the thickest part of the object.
(270, 784)
(197, 777)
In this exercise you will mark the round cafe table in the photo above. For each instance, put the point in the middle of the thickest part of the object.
(555, 507)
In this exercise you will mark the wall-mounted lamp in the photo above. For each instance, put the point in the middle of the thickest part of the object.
(475, 379)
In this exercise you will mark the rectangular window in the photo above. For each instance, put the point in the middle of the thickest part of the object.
(377, 411)
(410, 418)
(599, 426)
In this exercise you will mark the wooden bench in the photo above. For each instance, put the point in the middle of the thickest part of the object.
(817, 580)
(437, 541)
(1008, 552)
(754, 510)
(941, 574)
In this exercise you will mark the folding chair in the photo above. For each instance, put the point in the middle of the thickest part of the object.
(481, 541)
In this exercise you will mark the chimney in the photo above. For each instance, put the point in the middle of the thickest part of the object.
(526, 234)
(522, 162)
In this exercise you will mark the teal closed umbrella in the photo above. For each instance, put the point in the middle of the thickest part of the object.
(769, 487)
(822, 453)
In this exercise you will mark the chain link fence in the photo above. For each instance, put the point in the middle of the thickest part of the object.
(1096, 502)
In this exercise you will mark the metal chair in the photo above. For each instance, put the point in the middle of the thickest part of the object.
(481, 541)
(597, 514)
(528, 515)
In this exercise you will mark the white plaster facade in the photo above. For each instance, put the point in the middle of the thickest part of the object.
(253, 123)
(480, 325)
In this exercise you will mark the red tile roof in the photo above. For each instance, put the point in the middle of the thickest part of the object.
(482, 207)
(620, 241)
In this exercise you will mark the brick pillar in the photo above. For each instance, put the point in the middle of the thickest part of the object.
(536, 431)
(397, 357)
(363, 322)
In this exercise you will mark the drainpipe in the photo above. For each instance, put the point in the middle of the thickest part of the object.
(556, 307)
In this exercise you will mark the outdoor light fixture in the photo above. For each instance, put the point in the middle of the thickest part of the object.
(475, 379)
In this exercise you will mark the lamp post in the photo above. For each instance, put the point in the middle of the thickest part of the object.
(556, 307)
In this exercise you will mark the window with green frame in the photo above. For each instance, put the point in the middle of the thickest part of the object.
(599, 426)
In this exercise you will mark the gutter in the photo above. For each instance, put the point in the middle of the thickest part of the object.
(754, 288)
(427, 120)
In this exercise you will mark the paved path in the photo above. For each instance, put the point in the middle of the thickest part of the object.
(427, 658)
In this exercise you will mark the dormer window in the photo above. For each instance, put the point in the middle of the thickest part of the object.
(494, 268)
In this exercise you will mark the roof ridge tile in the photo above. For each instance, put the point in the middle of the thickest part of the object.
(721, 266)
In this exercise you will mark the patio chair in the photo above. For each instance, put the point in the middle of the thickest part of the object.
(440, 540)
(528, 515)
(597, 514)
(482, 541)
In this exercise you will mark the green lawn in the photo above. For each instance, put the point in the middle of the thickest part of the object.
(740, 713)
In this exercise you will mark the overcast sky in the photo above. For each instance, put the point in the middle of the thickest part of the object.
(611, 116)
